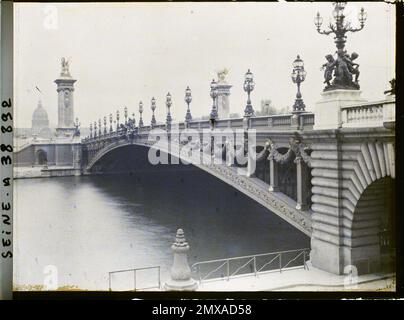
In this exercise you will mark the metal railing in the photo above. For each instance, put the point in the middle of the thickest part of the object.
(158, 286)
(258, 263)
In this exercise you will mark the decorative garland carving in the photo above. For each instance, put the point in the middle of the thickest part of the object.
(296, 147)
(263, 154)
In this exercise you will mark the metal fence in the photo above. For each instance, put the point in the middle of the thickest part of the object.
(253, 264)
(135, 280)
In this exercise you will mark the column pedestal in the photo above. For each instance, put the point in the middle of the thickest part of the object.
(223, 104)
(328, 113)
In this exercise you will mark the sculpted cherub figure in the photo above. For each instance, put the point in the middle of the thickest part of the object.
(353, 67)
(221, 75)
(329, 68)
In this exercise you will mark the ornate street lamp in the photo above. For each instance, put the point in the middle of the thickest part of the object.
(117, 120)
(76, 127)
(344, 77)
(140, 112)
(133, 119)
(153, 107)
(125, 113)
(95, 129)
(298, 76)
(110, 123)
(340, 27)
(248, 87)
(213, 93)
(105, 125)
(362, 16)
(91, 130)
(188, 99)
(99, 127)
(168, 105)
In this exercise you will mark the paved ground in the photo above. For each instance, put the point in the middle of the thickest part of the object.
(299, 279)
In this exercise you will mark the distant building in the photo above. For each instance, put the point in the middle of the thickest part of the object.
(40, 122)
(56, 150)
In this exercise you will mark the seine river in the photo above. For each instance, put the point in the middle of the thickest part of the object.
(84, 227)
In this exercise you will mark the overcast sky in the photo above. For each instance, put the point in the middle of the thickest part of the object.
(123, 53)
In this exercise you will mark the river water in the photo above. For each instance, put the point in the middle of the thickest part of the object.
(81, 228)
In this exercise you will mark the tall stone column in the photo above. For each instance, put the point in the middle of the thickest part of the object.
(65, 89)
(223, 101)
(180, 271)
(302, 172)
(223, 90)
(273, 175)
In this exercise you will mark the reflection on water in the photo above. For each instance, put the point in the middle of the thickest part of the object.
(87, 226)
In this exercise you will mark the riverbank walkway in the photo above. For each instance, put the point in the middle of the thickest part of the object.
(300, 279)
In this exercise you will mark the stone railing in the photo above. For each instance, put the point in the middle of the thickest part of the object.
(307, 119)
(373, 114)
(279, 121)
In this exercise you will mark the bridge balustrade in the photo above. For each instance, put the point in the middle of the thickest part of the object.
(282, 177)
(371, 114)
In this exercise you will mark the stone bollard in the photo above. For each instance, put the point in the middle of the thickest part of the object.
(180, 271)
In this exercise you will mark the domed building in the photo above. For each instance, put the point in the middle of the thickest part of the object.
(40, 121)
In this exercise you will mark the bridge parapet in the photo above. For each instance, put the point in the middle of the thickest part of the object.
(371, 114)
(287, 122)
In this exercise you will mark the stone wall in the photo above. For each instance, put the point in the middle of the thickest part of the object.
(345, 166)
(56, 154)
(25, 157)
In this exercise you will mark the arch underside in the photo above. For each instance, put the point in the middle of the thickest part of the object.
(351, 190)
(256, 189)
(373, 226)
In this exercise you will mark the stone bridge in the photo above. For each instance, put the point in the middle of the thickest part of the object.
(330, 177)
(329, 173)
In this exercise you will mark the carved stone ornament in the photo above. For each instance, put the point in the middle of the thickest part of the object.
(296, 147)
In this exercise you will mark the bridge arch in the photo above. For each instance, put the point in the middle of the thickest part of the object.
(372, 227)
(250, 186)
(351, 195)
(373, 212)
